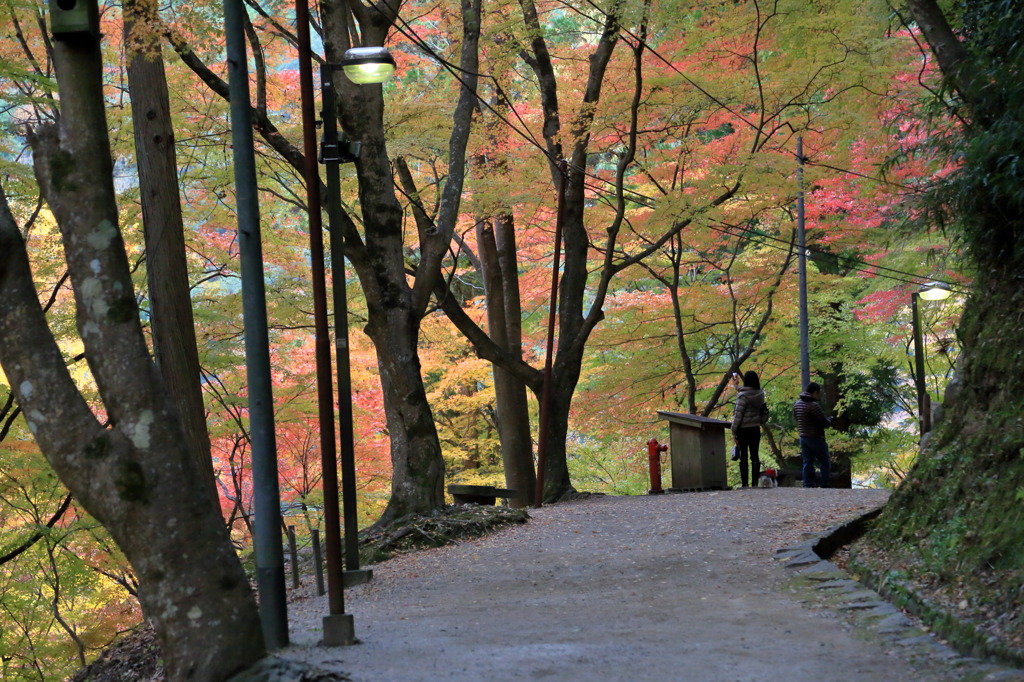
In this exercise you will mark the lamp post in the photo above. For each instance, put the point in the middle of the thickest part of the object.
(362, 65)
(365, 65)
(929, 291)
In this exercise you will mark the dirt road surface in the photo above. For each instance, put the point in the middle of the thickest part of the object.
(673, 587)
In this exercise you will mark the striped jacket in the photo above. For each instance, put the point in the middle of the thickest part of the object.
(810, 418)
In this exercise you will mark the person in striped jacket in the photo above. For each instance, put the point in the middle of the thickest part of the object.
(811, 423)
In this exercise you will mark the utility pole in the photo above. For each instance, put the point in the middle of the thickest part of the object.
(266, 494)
(801, 240)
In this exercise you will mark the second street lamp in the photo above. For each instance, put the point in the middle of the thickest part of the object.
(362, 65)
(339, 629)
(930, 291)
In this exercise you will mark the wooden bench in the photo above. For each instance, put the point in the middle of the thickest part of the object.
(478, 494)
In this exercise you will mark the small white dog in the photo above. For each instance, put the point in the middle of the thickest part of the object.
(769, 479)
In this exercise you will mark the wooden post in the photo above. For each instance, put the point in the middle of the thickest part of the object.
(319, 563)
(293, 548)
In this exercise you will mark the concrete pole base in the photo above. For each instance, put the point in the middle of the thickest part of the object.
(356, 577)
(339, 630)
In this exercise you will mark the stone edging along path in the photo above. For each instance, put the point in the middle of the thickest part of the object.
(868, 602)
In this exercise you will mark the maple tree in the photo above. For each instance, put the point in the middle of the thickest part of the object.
(709, 133)
(731, 136)
(394, 308)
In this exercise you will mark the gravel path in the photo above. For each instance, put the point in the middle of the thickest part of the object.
(672, 587)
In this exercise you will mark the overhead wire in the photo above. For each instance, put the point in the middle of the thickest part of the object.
(637, 197)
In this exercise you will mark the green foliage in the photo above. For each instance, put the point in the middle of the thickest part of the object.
(617, 466)
(68, 577)
(957, 522)
(983, 201)
(870, 397)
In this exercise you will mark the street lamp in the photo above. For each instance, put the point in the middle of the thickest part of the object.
(929, 291)
(339, 629)
(934, 291)
(266, 493)
(362, 65)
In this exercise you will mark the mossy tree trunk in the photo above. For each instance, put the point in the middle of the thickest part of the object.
(135, 473)
(959, 510)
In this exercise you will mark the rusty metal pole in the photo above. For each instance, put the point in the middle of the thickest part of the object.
(338, 629)
(353, 575)
(545, 398)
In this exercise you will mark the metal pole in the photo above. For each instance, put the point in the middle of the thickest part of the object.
(545, 399)
(801, 238)
(266, 495)
(918, 360)
(337, 626)
(340, 292)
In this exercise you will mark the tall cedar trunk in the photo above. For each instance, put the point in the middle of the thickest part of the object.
(173, 329)
(136, 475)
(517, 408)
(501, 287)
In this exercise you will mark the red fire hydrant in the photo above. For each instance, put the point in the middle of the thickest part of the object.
(654, 463)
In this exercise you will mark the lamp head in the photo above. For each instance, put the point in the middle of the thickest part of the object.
(934, 291)
(365, 65)
(70, 19)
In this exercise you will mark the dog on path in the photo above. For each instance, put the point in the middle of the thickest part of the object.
(769, 479)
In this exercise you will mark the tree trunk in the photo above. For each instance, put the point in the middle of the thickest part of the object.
(565, 374)
(417, 479)
(173, 329)
(499, 267)
(137, 475)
